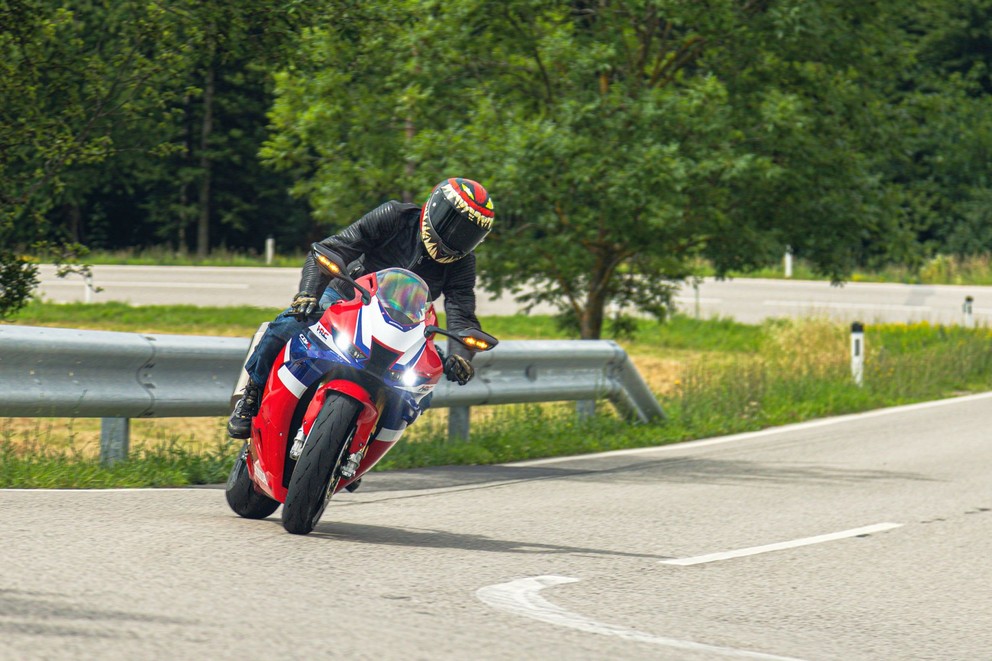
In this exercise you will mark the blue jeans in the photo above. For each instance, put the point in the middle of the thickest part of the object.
(279, 332)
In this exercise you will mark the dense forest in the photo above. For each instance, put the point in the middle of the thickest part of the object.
(623, 141)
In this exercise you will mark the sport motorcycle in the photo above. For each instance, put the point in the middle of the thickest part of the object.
(341, 395)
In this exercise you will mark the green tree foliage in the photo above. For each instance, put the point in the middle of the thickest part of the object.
(128, 123)
(946, 171)
(621, 140)
(68, 94)
(348, 107)
(198, 183)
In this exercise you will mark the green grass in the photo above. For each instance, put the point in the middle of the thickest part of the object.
(718, 377)
(746, 393)
(40, 466)
(178, 319)
(679, 332)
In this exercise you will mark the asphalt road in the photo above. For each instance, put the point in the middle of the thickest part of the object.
(865, 537)
(747, 300)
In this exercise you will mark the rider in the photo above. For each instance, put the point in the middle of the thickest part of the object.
(435, 242)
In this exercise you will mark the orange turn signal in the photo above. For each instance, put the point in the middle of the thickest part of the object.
(473, 342)
(331, 266)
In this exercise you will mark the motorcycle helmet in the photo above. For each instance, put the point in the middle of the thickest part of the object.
(456, 218)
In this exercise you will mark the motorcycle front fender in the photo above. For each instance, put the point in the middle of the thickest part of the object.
(367, 419)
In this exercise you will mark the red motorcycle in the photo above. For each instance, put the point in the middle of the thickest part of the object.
(341, 396)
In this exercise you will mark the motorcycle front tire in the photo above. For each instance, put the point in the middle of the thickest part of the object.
(242, 496)
(311, 483)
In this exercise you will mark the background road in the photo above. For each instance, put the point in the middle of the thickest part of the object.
(565, 558)
(744, 299)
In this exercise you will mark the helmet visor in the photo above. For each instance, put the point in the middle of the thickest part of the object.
(458, 234)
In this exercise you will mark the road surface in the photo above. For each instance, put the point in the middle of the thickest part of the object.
(746, 300)
(865, 537)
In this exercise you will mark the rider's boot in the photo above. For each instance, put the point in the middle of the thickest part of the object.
(239, 424)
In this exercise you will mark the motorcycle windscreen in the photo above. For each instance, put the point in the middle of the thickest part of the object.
(404, 296)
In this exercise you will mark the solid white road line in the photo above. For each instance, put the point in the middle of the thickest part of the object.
(521, 597)
(754, 435)
(806, 541)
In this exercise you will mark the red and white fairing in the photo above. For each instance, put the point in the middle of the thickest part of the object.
(376, 353)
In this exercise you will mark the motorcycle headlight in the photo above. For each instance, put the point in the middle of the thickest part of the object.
(407, 377)
(344, 342)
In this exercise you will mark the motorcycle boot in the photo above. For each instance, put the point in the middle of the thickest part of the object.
(239, 424)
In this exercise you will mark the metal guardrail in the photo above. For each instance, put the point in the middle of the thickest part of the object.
(55, 372)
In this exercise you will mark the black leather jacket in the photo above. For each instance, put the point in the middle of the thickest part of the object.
(389, 237)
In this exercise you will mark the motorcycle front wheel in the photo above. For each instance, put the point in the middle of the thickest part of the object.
(242, 496)
(313, 479)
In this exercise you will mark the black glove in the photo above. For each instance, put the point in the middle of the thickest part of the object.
(304, 304)
(458, 369)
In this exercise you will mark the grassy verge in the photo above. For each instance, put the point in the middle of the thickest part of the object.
(712, 377)
(171, 465)
(173, 319)
(800, 371)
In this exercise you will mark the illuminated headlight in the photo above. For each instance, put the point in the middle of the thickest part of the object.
(344, 343)
(343, 340)
(407, 377)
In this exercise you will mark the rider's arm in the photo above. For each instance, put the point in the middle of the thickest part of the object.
(459, 301)
(351, 243)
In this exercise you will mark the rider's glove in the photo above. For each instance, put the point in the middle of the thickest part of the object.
(304, 304)
(458, 369)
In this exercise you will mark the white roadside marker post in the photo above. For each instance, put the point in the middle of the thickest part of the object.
(858, 352)
(270, 250)
(969, 317)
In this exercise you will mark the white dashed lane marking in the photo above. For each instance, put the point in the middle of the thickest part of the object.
(755, 550)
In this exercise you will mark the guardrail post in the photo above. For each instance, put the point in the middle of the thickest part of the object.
(585, 409)
(115, 440)
(458, 423)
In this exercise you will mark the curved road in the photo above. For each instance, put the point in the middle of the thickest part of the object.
(747, 300)
(862, 537)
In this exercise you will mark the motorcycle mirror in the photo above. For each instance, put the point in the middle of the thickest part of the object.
(473, 338)
(332, 264)
(328, 261)
(476, 340)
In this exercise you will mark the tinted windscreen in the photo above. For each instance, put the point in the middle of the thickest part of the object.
(403, 296)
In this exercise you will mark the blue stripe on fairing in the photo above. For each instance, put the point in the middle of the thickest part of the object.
(308, 365)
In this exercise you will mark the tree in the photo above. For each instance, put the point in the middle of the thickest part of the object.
(622, 140)
(196, 181)
(65, 101)
(945, 173)
(347, 109)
